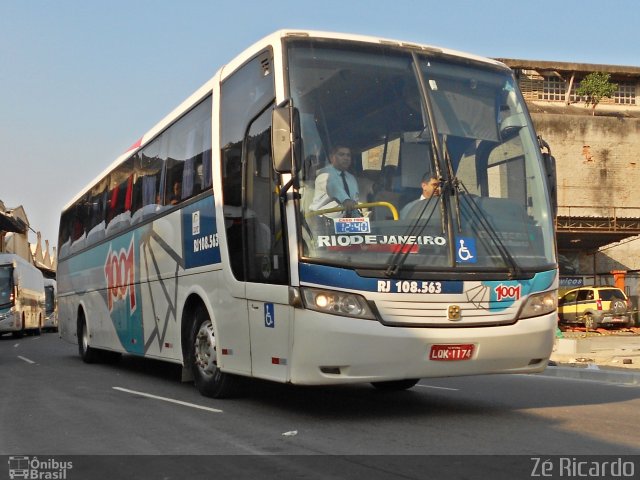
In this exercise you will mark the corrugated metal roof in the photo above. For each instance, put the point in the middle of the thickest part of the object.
(11, 224)
(548, 65)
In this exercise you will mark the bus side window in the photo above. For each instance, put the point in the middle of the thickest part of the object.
(98, 204)
(189, 143)
(173, 191)
(120, 197)
(80, 221)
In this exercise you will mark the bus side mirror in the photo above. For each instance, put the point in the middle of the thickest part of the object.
(550, 167)
(550, 170)
(285, 138)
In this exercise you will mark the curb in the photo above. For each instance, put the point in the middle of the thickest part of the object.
(595, 374)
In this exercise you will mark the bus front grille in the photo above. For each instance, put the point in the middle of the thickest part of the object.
(445, 315)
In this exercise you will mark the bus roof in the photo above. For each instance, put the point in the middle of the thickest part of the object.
(247, 54)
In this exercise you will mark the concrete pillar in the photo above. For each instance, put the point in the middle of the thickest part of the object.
(618, 278)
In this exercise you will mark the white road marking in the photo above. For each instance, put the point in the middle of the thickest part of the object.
(438, 388)
(25, 359)
(170, 400)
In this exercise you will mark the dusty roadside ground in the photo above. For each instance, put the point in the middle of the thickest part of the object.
(614, 348)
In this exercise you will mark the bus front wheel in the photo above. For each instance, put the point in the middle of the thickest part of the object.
(209, 379)
(396, 385)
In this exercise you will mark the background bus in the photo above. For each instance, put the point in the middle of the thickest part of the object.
(199, 246)
(21, 296)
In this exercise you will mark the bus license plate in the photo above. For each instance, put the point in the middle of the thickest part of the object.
(451, 352)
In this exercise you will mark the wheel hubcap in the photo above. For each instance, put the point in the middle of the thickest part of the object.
(205, 349)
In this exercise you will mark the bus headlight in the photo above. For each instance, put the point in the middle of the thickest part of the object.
(540, 304)
(336, 303)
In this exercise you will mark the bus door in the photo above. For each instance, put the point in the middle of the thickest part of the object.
(256, 245)
(266, 268)
(253, 223)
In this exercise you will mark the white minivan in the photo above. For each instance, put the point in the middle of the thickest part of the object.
(21, 296)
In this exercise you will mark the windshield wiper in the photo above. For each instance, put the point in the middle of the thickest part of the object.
(457, 189)
(415, 229)
(485, 224)
(398, 258)
(452, 187)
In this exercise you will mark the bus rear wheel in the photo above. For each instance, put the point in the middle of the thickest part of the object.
(38, 329)
(87, 353)
(203, 356)
(19, 333)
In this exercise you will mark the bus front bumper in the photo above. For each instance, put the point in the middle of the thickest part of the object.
(9, 321)
(332, 350)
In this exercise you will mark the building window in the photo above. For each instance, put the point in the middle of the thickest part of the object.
(626, 93)
(553, 89)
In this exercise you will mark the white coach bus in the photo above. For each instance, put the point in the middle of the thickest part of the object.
(21, 296)
(201, 246)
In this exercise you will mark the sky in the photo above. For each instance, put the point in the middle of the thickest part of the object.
(81, 81)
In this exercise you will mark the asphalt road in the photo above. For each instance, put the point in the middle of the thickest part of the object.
(52, 404)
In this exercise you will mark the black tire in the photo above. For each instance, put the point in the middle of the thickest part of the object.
(87, 353)
(203, 359)
(396, 385)
(38, 331)
(20, 333)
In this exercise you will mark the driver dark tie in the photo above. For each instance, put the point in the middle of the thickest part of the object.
(344, 183)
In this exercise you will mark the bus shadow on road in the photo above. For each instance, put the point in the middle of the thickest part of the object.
(477, 395)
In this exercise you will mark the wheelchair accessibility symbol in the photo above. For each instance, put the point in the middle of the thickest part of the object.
(466, 250)
(269, 318)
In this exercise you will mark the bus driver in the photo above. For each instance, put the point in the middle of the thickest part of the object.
(336, 186)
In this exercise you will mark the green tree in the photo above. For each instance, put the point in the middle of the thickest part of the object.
(594, 87)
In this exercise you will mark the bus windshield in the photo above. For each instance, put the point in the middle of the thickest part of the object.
(49, 299)
(6, 285)
(415, 161)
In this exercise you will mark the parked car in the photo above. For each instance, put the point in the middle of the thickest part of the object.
(594, 307)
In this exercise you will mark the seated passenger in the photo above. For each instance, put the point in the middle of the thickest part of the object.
(430, 188)
(335, 186)
(176, 193)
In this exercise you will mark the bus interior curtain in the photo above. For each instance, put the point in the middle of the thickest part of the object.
(206, 169)
(187, 178)
(114, 198)
(129, 195)
(148, 190)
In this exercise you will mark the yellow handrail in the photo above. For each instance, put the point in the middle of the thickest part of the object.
(394, 210)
